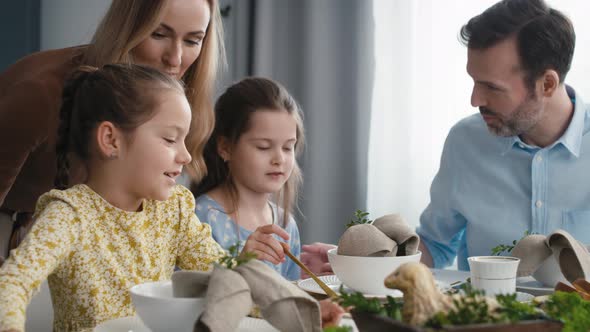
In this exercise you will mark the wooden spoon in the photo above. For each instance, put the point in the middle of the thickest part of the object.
(322, 285)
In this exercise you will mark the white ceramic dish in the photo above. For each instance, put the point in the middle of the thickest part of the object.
(161, 311)
(524, 297)
(367, 274)
(532, 286)
(549, 273)
(309, 285)
(134, 324)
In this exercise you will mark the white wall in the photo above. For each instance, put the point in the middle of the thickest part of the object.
(69, 22)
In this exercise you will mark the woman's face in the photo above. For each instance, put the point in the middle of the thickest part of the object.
(176, 43)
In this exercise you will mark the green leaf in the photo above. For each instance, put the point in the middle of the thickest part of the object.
(392, 308)
(569, 308)
(338, 329)
(360, 217)
(233, 258)
(472, 308)
(507, 248)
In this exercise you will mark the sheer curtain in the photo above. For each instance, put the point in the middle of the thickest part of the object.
(421, 89)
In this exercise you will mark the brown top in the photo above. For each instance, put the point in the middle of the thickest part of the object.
(30, 97)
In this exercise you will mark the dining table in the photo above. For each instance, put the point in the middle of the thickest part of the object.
(40, 313)
(134, 323)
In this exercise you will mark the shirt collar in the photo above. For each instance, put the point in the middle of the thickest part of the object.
(509, 143)
(571, 138)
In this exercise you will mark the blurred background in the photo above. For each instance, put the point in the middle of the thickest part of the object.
(380, 82)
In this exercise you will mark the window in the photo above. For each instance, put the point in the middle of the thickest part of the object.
(421, 89)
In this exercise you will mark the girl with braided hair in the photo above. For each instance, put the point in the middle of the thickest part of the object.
(129, 223)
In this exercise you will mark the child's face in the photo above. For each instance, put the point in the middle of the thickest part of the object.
(155, 153)
(264, 156)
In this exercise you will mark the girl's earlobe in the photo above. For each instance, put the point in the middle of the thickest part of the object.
(107, 140)
(223, 149)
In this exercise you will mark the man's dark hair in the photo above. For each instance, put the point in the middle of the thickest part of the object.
(545, 36)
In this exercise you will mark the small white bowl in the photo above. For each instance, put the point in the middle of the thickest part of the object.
(161, 311)
(367, 274)
(494, 274)
(493, 267)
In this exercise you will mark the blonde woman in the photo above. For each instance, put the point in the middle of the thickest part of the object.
(182, 38)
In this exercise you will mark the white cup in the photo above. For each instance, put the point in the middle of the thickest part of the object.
(494, 274)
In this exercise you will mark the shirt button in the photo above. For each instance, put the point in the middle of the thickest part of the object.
(539, 158)
(539, 204)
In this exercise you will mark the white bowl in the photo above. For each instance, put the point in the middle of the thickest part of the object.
(367, 274)
(493, 267)
(549, 273)
(161, 311)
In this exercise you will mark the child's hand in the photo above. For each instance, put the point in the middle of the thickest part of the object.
(265, 245)
(331, 313)
(315, 257)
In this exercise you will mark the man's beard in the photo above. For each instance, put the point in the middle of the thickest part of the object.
(522, 119)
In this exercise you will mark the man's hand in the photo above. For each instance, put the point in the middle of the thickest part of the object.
(331, 313)
(265, 245)
(315, 257)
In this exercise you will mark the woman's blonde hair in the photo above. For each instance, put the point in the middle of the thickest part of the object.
(127, 23)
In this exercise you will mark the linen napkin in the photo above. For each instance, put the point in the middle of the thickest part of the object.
(572, 256)
(532, 251)
(190, 283)
(396, 228)
(366, 240)
(231, 294)
(284, 305)
(388, 235)
(228, 297)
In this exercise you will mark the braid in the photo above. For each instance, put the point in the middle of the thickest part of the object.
(62, 147)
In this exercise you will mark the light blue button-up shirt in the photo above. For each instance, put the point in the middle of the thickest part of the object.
(489, 190)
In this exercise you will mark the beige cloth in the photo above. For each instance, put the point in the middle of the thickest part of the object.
(231, 294)
(532, 251)
(396, 228)
(190, 283)
(228, 297)
(366, 240)
(572, 256)
(228, 301)
(284, 305)
(388, 235)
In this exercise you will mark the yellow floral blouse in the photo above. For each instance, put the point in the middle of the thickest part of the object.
(92, 253)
